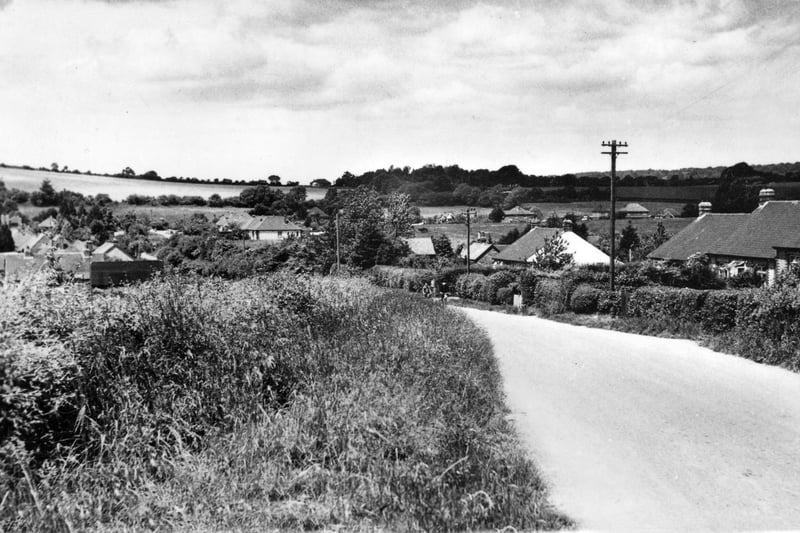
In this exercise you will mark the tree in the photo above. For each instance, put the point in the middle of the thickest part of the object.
(6, 239)
(496, 214)
(54, 167)
(320, 183)
(360, 223)
(128, 171)
(442, 245)
(628, 241)
(274, 180)
(553, 255)
(689, 210)
(399, 215)
(654, 240)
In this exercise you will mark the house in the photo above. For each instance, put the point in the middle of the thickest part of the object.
(599, 213)
(524, 249)
(520, 214)
(230, 221)
(667, 213)
(634, 210)
(272, 228)
(481, 252)
(421, 246)
(48, 224)
(109, 252)
(316, 213)
(12, 221)
(766, 240)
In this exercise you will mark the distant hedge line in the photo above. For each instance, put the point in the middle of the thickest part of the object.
(760, 324)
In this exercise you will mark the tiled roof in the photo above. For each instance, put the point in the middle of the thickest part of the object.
(583, 252)
(477, 250)
(49, 222)
(635, 208)
(271, 223)
(421, 245)
(104, 248)
(770, 225)
(751, 235)
(518, 211)
(701, 236)
(524, 247)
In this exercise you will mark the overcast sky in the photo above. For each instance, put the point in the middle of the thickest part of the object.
(244, 89)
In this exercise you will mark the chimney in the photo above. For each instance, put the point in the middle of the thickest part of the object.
(703, 208)
(567, 224)
(765, 195)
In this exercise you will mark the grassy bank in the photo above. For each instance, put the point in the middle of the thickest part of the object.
(278, 403)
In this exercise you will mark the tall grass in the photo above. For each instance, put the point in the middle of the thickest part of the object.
(283, 402)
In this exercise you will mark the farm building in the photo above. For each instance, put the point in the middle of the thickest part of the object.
(272, 228)
(230, 221)
(766, 240)
(521, 214)
(634, 210)
(420, 246)
(109, 252)
(48, 224)
(481, 252)
(524, 249)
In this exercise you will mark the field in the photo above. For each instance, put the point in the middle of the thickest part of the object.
(559, 208)
(283, 403)
(643, 225)
(119, 189)
(457, 233)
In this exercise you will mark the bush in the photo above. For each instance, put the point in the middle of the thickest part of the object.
(495, 282)
(584, 299)
(550, 296)
(282, 403)
(505, 295)
(400, 278)
(470, 286)
(527, 286)
(718, 312)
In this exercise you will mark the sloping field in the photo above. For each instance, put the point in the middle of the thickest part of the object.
(120, 188)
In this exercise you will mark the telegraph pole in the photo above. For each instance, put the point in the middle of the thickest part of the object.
(613, 153)
(338, 259)
(468, 212)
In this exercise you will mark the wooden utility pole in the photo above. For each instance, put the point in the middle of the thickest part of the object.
(613, 153)
(338, 258)
(468, 212)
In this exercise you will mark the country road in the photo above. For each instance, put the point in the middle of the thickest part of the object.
(638, 433)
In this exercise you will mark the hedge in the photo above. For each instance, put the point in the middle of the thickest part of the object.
(584, 299)
(400, 278)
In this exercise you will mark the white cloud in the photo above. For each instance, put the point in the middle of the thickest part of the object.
(410, 81)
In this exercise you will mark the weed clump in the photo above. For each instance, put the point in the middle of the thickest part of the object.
(282, 402)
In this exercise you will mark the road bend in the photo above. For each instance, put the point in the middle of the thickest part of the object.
(637, 433)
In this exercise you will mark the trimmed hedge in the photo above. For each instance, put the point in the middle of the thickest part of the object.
(400, 278)
(584, 299)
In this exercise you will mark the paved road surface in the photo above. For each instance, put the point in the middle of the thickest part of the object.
(638, 433)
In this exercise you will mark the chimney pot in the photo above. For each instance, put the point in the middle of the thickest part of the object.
(765, 195)
(703, 208)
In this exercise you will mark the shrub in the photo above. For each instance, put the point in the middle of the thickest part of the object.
(468, 285)
(549, 296)
(584, 299)
(269, 404)
(497, 281)
(400, 278)
(611, 302)
(527, 286)
(718, 312)
(505, 295)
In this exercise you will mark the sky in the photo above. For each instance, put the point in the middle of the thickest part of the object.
(308, 89)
